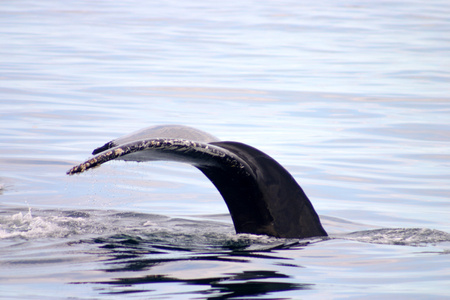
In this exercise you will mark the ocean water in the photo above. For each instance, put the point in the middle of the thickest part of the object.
(351, 97)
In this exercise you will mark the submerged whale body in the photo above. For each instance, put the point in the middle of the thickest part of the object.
(262, 197)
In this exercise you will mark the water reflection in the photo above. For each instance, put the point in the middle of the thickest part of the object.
(243, 284)
(143, 263)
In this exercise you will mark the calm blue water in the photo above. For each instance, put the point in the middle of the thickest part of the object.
(351, 97)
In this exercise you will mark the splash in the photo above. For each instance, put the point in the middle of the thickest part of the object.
(189, 234)
(48, 225)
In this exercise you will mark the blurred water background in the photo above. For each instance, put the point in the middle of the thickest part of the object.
(352, 97)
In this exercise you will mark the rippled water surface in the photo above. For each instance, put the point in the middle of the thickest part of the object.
(351, 97)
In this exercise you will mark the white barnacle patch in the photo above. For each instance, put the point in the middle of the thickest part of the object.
(118, 151)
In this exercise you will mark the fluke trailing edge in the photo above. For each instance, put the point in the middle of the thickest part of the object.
(262, 197)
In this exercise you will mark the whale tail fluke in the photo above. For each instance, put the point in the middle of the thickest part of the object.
(261, 195)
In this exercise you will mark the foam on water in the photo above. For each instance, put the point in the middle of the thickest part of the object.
(181, 232)
(400, 236)
(193, 234)
(27, 226)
